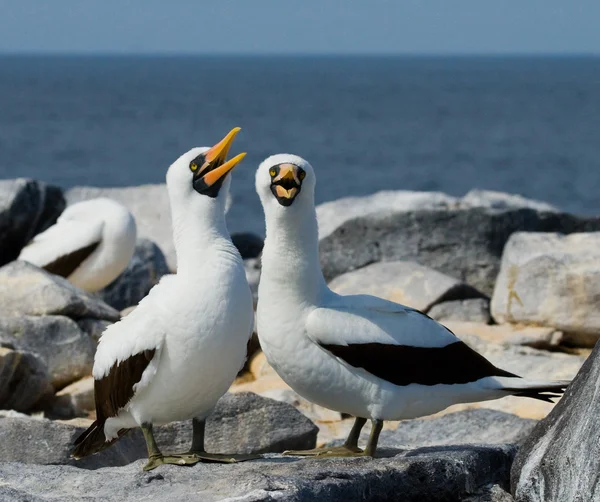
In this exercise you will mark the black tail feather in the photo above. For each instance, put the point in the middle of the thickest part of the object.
(93, 441)
(544, 393)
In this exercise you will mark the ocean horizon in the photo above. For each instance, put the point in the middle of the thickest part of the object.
(520, 124)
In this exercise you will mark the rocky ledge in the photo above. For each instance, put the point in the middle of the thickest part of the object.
(443, 473)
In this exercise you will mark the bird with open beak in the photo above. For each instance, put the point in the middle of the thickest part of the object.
(178, 352)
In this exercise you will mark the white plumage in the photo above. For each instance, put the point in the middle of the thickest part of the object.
(91, 243)
(178, 352)
(360, 355)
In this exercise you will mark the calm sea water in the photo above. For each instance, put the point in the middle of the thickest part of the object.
(524, 125)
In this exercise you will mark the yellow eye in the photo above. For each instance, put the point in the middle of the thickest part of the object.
(302, 175)
(272, 172)
(193, 166)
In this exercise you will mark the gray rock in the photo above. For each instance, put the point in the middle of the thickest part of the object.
(67, 351)
(248, 244)
(432, 474)
(74, 400)
(330, 215)
(240, 423)
(476, 426)
(404, 282)
(247, 423)
(252, 267)
(28, 290)
(40, 441)
(500, 200)
(559, 461)
(93, 327)
(466, 244)
(534, 364)
(551, 280)
(472, 310)
(24, 380)
(150, 207)
(26, 208)
(145, 269)
(490, 493)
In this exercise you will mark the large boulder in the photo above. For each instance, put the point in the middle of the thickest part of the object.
(551, 280)
(560, 461)
(403, 282)
(145, 269)
(463, 243)
(150, 207)
(501, 200)
(432, 474)
(67, 351)
(333, 214)
(28, 290)
(24, 380)
(471, 310)
(26, 208)
(41, 441)
(240, 423)
(246, 423)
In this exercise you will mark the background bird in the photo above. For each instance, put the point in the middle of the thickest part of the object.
(91, 243)
(360, 354)
(178, 352)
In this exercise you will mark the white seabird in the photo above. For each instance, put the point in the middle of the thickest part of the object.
(90, 244)
(178, 352)
(360, 355)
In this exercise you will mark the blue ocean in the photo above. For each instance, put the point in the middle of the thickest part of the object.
(524, 125)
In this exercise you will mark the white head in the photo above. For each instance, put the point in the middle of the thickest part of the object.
(198, 182)
(285, 184)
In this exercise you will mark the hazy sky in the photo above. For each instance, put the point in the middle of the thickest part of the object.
(301, 26)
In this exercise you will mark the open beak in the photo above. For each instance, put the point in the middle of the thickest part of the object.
(218, 153)
(220, 172)
(286, 185)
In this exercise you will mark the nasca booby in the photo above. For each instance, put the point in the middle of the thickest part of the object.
(360, 355)
(90, 244)
(178, 352)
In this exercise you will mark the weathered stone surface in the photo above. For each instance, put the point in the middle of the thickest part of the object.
(246, 423)
(538, 337)
(550, 280)
(248, 244)
(28, 290)
(75, 400)
(466, 244)
(240, 423)
(93, 327)
(560, 460)
(67, 351)
(252, 267)
(330, 215)
(472, 310)
(490, 493)
(432, 474)
(145, 269)
(404, 282)
(478, 426)
(26, 208)
(150, 207)
(41, 441)
(24, 380)
(501, 200)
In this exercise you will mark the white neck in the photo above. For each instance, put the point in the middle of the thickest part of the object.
(199, 231)
(290, 261)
